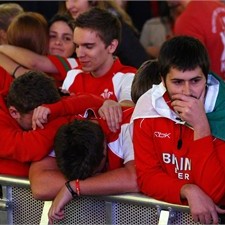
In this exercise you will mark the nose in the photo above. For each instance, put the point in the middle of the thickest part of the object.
(70, 4)
(186, 89)
(80, 52)
(58, 41)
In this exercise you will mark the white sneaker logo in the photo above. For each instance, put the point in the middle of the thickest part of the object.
(161, 135)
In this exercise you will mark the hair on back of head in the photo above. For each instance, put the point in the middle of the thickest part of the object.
(29, 30)
(7, 12)
(31, 90)
(145, 77)
(79, 148)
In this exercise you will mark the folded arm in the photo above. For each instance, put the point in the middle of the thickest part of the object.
(119, 181)
(28, 59)
(9, 65)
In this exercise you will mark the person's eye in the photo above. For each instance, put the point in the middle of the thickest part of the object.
(67, 39)
(195, 81)
(89, 46)
(177, 82)
(52, 36)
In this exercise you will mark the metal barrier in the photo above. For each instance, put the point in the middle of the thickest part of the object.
(17, 206)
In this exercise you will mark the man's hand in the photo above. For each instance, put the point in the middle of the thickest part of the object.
(40, 117)
(192, 111)
(56, 211)
(111, 111)
(202, 207)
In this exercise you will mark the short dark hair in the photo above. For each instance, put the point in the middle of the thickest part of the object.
(79, 148)
(62, 17)
(106, 24)
(31, 90)
(183, 53)
(145, 77)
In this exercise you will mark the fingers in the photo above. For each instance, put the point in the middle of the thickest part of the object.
(53, 216)
(215, 218)
(113, 115)
(40, 117)
(101, 114)
(114, 118)
(37, 123)
(206, 218)
(219, 210)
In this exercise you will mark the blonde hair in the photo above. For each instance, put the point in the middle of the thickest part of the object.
(7, 12)
(29, 30)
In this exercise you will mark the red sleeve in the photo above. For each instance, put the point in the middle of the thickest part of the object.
(152, 179)
(74, 104)
(62, 64)
(26, 146)
(208, 166)
(5, 81)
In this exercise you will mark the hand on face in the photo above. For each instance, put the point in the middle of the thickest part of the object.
(190, 108)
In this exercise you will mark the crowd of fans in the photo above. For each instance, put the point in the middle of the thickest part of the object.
(94, 101)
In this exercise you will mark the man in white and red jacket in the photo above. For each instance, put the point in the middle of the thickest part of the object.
(178, 132)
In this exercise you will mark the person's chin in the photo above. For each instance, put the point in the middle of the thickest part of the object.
(56, 53)
(86, 69)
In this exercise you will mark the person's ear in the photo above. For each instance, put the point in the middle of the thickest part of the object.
(14, 112)
(112, 47)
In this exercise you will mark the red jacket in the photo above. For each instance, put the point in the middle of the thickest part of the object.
(63, 65)
(114, 85)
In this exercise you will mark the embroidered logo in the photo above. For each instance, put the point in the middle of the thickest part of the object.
(161, 135)
(106, 94)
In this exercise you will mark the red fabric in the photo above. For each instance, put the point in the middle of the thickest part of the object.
(205, 21)
(74, 104)
(154, 5)
(63, 67)
(5, 81)
(114, 161)
(18, 148)
(162, 169)
(85, 82)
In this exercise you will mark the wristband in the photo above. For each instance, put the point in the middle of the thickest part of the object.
(14, 72)
(77, 186)
(72, 192)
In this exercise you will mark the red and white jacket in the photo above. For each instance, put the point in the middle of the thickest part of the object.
(162, 168)
(115, 84)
